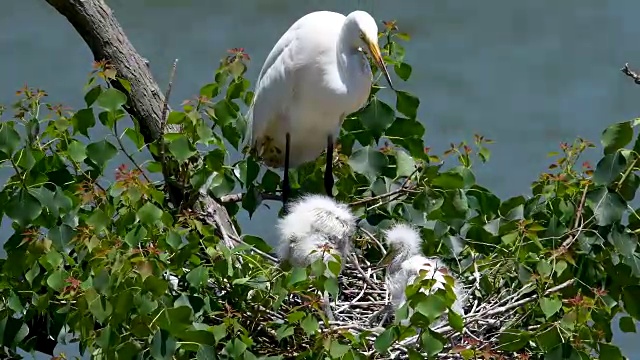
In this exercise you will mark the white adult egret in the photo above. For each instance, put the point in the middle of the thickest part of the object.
(404, 261)
(315, 227)
(314, 77)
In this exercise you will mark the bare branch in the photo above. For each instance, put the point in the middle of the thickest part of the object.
(236, 198)
(630, 73)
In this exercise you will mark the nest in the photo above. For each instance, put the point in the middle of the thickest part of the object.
(362, 308)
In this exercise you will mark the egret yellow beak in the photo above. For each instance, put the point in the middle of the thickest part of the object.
(374, 50)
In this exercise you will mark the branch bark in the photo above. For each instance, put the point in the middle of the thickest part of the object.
(93, 20)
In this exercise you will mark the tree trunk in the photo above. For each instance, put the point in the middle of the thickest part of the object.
(95, 23)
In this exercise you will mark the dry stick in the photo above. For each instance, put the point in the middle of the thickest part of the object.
(401, 189)
(236, 198)
(630, 73)
(163, 126)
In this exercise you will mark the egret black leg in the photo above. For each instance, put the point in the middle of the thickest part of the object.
(328, 171)
(286, 187)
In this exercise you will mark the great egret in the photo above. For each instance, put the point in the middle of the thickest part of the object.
(314, 77)
(315, 227)
(404, 261)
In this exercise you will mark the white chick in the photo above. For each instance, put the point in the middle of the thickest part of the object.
(315, 223)
(404, 262)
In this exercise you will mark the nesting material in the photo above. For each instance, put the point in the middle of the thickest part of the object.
(404, 264)
(315, 226)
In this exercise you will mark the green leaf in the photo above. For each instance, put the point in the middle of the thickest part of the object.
(100, 152)
(163, 345)
(257, 243)
(405, 164)
(174, 239)
(385, 340)
(607, 206)
(455, 320)
(309, 324)
(631, 299)
(431, 344)
(215, 160)
(222, 184)
(77, 151)
(111, 99)
(610, 352)
(616, 136)
(56, 280)
(23, 208)
(403, 70)
(270, 181)
(135, 136)
(9, 138)
(135, 236)
(376, 117)
(549, 338)
(198, 277)
(83, 120)
(513, 340)
(149, 214)
(368, 161)
(608, 168)
(181, 148)
(627, 324)
(449, 180)
(624, 241)
(99, 220)
(176, 117)
(235, 348)
(432, 307)
(91, 95)
(550, 306)
(284, 331)
(337, 350)
(403, 128)
(407, 104)
(61, 236)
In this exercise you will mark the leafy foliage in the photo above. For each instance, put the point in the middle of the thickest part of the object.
(125, 273)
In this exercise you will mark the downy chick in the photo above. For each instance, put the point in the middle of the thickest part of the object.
(404, 261)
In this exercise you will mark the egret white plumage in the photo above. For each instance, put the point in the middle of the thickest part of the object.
(315, 227)
(404, 261)
(315, 75)
(315, 224)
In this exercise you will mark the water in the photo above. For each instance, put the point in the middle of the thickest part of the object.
(526, 74)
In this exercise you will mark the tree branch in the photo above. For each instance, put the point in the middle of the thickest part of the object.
(95, 23)
(630, 73)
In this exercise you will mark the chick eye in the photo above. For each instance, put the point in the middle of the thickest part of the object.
(362, 36)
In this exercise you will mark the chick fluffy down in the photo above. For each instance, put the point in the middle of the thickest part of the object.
(312, 222)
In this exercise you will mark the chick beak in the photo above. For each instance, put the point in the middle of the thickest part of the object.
(386, 260)
(374, 50)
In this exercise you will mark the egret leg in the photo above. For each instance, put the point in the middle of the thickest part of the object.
(328, 171)
(286, 187)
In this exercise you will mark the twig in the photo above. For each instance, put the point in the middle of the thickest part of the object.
(236, 198)
(400, 190)
(567, 243)
(163, 128)
(630, 73)
(126, 153)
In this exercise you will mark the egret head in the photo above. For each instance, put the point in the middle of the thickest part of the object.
(404, 242)
(363, 24)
